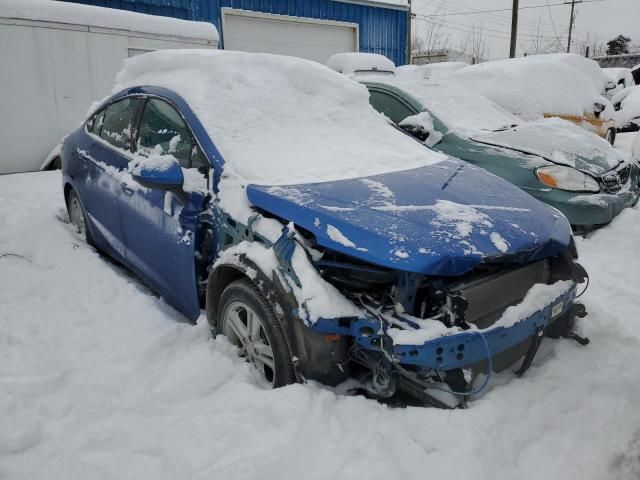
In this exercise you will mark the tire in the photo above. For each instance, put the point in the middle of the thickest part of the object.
(611, 136)
(247, 320)
(77, 217)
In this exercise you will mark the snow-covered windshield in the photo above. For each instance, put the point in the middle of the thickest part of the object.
(462, 111)
(280, 120)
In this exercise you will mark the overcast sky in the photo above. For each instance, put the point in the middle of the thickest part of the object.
(606, 19)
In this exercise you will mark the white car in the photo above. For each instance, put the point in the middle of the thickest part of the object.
(627, 106)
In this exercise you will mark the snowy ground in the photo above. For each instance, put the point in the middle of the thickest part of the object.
(99, 379)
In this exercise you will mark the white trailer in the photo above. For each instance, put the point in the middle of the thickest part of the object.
(56, 58)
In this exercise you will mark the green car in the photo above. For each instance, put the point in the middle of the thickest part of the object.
(557, 162)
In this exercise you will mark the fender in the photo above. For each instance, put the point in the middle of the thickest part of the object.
(315, 356)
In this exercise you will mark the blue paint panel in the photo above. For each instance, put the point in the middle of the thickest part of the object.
(382, 30)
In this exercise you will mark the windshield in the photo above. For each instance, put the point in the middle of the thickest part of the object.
(461, 111)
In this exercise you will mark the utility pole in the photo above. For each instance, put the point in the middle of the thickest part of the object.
(409, 37)
(573, 4)
(514, 29)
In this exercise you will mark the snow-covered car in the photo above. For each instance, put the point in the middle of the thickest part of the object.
(321, 241)
(627, 106)
(619, 78)
(430, 71)
(534, 87)
(359, 63)
(563, 165)
(586, 66)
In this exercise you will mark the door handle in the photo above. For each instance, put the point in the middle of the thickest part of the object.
(127, 189)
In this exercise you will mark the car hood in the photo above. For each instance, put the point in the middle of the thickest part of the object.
(558, 141)
(443, 219)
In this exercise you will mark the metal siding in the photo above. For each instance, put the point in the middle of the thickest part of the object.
(382, 30)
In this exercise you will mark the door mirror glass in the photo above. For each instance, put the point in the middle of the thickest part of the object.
(160, 172)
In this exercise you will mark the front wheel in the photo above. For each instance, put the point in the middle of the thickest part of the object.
(248, 321)
(77, 217)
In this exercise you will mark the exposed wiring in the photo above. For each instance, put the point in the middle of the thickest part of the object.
(585, 287)
(473, 391)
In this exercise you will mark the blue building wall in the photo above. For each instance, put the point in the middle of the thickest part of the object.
(382, 30)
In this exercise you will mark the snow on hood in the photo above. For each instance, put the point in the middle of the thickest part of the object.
(439, 220)
(531, 87)
(560, 142)
(278, 120)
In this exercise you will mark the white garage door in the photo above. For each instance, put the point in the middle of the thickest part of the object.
(300, 37)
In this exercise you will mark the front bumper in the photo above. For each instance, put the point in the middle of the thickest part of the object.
(448, 352)
(589, 210)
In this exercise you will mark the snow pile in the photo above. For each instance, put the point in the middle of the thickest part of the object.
(361, 63)
(99, 379)
(278, 120)
(71, 13)
(531, 88)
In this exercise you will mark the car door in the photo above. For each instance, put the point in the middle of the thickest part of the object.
(159, 227)
(103, 162)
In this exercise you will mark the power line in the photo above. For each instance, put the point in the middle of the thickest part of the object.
(509, 9)
(492, 17)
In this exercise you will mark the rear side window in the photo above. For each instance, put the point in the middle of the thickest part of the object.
(392, 107)
(117, 125)
(162, 131)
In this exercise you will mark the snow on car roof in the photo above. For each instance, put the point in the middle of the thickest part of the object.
(351, 63)
(589, 68)
(71, 13)
(530, 87)
(430, 71)
(461, 110)
(280, 120)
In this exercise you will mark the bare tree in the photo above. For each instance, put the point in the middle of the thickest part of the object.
(434, 40)
(597, 46)
(474, 45)
(537, 42)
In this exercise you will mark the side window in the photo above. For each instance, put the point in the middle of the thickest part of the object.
(94, 125)
(389, 105)
(116, 126)
(163, 131)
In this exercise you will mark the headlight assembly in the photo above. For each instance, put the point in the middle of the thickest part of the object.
(567, 178)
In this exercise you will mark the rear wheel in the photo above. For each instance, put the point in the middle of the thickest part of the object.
(248, 321)
(77, 216)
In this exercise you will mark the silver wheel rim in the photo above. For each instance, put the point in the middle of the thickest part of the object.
(76, 215)
(245, 329)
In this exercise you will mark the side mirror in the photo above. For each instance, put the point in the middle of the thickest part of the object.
(159, 172)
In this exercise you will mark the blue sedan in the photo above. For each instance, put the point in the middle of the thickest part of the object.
(404, 279)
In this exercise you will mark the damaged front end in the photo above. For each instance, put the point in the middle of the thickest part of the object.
(435, 338)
